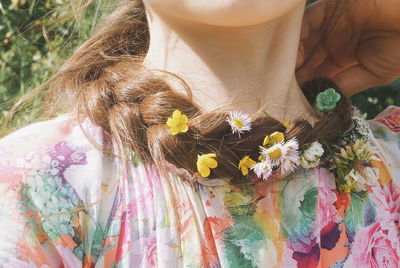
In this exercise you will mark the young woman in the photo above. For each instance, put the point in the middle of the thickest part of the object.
(184, 139)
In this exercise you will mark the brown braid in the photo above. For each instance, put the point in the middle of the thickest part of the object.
(105, 81)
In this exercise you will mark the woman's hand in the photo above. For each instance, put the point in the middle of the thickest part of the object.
(361, 50)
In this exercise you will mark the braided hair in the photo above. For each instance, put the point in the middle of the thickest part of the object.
(105, 81)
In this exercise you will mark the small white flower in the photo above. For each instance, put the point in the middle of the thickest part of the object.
(291, 159)
(274, 153)
(263, 169)
(284, 155)
(353, 174)
(239, 122)
(364, 151)
(311, 156)
(309, 164)
(362, 126)
(360, 151)
(372, 175)
(367, 176)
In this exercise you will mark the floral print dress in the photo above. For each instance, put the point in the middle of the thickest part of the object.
(63, 204)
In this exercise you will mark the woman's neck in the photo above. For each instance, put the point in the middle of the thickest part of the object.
(250, 68)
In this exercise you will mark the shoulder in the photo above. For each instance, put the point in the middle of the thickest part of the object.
(53, 145)
(47, 170)
(61, 128)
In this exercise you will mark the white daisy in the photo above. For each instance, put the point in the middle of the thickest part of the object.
(263, 169)
(239, 122)
(274, 153)
(310, 157)
(290, 159)
(284, 155)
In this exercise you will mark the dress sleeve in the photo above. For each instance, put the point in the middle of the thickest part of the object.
(49, 175)
(386, 130)
(23, 242)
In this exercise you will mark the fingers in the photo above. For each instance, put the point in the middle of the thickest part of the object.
(357, 78)
(314, 16)
(300, 56)
(324, 55)
(314, 66)
(310, 30)
(358, 51)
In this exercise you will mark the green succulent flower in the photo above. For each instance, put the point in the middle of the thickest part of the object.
(326, 101)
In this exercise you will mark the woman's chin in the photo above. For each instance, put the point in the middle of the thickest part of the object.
(228, 13)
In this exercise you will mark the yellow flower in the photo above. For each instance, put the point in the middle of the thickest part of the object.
(178, 123)
(274, 138)
(205, 162)
(245, 164)
(287, 124)
(346, 188)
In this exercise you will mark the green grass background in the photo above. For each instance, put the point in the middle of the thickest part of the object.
(28, 56)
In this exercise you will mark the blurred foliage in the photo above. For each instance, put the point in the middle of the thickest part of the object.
(34, 42)
(373, 101)
(35, 37)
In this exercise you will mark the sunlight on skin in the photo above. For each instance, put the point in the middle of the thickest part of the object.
(231, 52)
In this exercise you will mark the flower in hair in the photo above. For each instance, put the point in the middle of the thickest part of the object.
(276, 154)
(239, 122)
(310, 157)
(283, 156)
(205, 162)
(358, 152)
(245, 164)
(359, 179)
(326, 100)
(263, 169)
(291, 157)
(286, 124)
(360, 130)
(273, 153)
(275, 137)
(177, 123)
(353, 166)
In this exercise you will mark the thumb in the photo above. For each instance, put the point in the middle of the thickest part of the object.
(300, 56)
(358, 78)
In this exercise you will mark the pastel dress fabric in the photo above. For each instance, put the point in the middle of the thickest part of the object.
(62, 204)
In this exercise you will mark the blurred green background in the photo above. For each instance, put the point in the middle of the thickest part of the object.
(28, 56)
